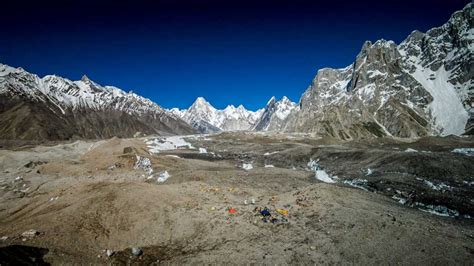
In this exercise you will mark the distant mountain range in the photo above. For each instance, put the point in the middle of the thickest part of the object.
(205, 118)
(423, 86)
(55, 108)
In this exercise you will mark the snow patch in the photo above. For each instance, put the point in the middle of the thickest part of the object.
(202, 150)
(448, 113)
(374, 73)
(155, 145)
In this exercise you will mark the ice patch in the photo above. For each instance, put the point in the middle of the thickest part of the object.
(471, 183)
(202, 150)
(269, 166)
(247, 166)
(174, 156)
(369, 172)
(54, 198)
(465, 151)
(270, 153)
(319, 173)
(410, 150)
(323, 176)
(163, 176)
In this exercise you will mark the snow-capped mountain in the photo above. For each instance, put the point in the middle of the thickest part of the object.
(56, 108)
(202, 116)
(239, 118)
(276, 114)
(423, 86)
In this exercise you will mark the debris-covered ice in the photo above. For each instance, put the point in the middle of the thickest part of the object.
(155, 145)
(313, 165)
(437, 210)
(144, 164)
(357, 183)
(439, 187)
(163, 176)
(465, 151)
(400, 199)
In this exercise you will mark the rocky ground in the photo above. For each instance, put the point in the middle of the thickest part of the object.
(202, 199)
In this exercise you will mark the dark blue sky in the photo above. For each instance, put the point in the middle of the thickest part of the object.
(230, 52)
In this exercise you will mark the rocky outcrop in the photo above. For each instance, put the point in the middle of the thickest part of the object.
(421, 87)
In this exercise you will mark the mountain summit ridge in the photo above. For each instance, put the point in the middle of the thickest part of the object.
(205, 118)
(56, 108)
(423, 86)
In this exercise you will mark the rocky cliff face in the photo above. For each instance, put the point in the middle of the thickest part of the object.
(54, 108)
(276, 115)
(421, 87)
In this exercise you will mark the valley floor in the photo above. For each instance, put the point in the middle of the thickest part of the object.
(202, 199)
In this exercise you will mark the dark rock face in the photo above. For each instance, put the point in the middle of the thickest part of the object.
(22, 255)
(53, 108)
(421, 87)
